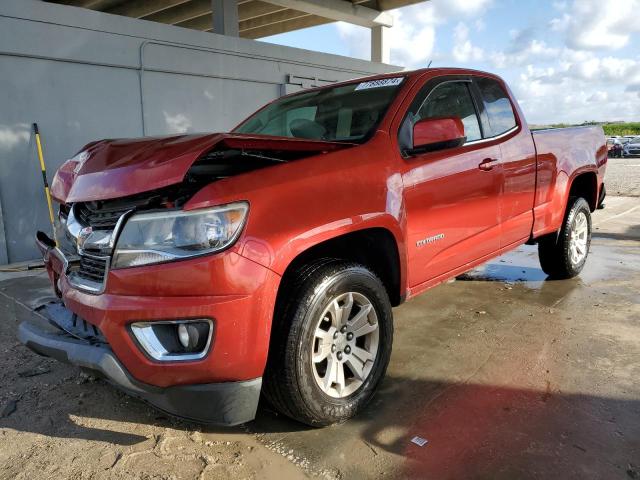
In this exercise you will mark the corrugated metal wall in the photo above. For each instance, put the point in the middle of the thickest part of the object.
(83, 75)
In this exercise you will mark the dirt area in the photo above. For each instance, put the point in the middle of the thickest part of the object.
(61, 423)
(506, 374)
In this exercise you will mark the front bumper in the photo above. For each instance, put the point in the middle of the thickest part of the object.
(227, 403)
(235, 292)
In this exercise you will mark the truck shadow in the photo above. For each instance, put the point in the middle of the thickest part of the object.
(484, 429)
(499, 431)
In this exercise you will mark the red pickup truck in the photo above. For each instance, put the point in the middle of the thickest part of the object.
(197, 271)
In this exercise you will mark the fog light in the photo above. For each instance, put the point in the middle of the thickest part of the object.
(178, 340)
(183, 335)
(193, 335)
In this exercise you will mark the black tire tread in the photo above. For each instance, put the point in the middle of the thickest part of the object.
(272, 388)
(553, 249)
(280, 385)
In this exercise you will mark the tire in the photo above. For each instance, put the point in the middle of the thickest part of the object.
(313, 299)
(563, 254)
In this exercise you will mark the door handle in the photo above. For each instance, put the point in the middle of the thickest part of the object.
(487, 164)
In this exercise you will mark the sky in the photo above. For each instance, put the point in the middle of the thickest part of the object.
(566, 60)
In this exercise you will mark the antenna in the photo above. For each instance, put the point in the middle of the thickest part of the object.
(429, 64)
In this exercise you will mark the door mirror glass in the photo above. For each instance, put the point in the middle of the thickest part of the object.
(431, 134)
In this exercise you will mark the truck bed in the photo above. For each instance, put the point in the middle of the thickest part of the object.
(563, 153)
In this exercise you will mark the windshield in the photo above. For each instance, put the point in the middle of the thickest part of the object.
(635, 140)
(345, 113)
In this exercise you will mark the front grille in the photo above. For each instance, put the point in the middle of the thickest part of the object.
(92, 268)
(104, 214)
(100, 217)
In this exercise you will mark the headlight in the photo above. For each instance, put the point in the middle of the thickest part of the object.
(162, 236)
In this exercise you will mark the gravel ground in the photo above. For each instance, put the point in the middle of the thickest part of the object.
(623, 177)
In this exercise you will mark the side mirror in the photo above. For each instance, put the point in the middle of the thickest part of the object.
(432, 134)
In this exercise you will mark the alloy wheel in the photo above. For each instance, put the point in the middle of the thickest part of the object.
(578, 238)
(345, 344)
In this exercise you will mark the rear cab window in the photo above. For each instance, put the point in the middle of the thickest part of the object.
(497, 106)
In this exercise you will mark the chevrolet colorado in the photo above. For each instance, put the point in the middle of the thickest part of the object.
(199, 271)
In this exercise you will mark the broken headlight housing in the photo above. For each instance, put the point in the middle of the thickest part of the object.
(156, 237)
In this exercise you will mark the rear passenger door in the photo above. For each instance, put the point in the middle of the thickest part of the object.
(518, 155)
(451, 195)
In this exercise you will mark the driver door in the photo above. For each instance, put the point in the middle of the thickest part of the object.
(451, 195)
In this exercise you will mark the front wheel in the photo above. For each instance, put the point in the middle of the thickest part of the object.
(564, 254)
(331, 343)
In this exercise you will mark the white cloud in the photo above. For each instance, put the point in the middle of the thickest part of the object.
(586, 66)
(560, 24)
(565, 71)
(580, 80)
(463, 49)
(579, 86)
(535, 50)
(413, 35)
(453, 8)
(598, 96)
(599, 24)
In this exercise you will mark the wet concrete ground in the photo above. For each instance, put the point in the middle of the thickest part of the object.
(507, 375)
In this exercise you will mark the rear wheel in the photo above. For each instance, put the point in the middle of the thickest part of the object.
(564, 254)
(331, 343)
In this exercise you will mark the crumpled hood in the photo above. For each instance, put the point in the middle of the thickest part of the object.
(118, 168)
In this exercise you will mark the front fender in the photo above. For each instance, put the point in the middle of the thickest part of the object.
(300, 204)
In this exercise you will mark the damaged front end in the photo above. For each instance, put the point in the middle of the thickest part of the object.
(98, 193)
(131, 203)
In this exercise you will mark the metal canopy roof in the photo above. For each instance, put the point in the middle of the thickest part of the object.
(256, 19)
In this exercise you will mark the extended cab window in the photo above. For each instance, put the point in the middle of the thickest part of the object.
(449, 99)
(497, 105)
(343, 113)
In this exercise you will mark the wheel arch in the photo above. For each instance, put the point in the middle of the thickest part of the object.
(373, 247)
(584, 184)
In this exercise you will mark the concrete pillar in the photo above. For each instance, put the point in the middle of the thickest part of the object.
(225, 17)
(380, 46)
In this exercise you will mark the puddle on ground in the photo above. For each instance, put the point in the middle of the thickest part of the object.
(518, 266)
(522, 267)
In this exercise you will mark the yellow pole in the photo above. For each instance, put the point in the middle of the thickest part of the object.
(44, 179)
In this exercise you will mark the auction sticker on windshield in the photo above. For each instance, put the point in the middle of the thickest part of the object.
(383, 82)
